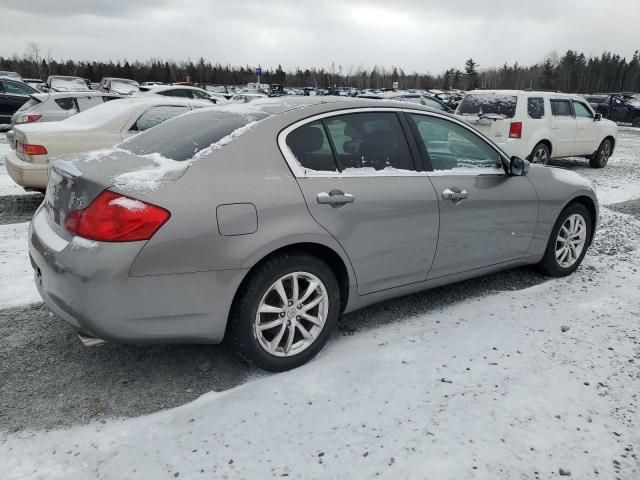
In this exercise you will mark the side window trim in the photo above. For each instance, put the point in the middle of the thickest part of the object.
(429, 166)
(332, 145)
(300, 172)
(421, 153)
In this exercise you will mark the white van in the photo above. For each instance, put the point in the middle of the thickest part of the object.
(540, 125)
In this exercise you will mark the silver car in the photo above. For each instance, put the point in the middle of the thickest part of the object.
(262, 223)
(56, 106)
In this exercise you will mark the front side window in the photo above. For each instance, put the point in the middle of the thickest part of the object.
(200, 95)
(156, 115)
(535, 107)
(581, 110)
(450, 146)
(369, 140)
(15, 88)
(310, 145)
(561, 108)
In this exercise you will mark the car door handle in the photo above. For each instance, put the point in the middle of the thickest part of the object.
(449, 194)
(335, 198)
(555, 127)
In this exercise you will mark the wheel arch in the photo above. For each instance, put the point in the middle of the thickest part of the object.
(333, 259)
(590, 205)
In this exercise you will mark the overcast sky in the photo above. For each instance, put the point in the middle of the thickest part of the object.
(417, 35)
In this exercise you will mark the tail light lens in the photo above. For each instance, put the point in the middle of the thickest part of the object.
(28, 118)
(112, 217)
(515, 131)
(30, 149)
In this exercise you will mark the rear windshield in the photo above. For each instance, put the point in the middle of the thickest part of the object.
(488, 103)
(68, 83)
(182, 137)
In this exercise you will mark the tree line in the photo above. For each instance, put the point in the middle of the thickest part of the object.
(571, 72)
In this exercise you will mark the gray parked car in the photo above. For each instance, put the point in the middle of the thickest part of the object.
(261, 223)
(56, 106)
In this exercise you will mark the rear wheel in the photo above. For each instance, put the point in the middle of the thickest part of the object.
(285, 312)
(570, 238)
(601, 157)
(540, 154)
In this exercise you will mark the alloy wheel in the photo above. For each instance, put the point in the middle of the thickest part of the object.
(291, 314)
(571, 240)
(540, 157)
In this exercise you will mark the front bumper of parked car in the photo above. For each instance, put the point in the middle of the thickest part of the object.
(88, 285)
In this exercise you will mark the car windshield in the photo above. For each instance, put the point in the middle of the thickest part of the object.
(68, 84)
(124, 86)
(180, 138)
(488, 103)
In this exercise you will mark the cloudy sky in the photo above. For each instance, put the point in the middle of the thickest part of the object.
(417, 35)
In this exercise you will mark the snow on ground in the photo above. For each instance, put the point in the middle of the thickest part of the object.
(619, 181)
(487, 388)
(16, 275)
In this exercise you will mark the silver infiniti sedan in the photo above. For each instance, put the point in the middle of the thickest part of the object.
(262, 223)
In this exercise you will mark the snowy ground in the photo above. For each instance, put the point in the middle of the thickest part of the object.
(481, 380)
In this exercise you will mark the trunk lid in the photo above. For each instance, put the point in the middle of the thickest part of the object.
(76, 180)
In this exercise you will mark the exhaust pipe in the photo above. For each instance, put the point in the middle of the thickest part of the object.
(89, 341)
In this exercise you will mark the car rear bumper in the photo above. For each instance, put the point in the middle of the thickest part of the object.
(514, 147)
(26, 174)
(88, 285)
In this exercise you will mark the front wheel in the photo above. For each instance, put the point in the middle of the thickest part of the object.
(570, 238)
(601, 157)
(285, 311)
(540, 154)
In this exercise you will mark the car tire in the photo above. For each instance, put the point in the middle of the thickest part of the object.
(540, 154)
(636, 122)
(572, 229)
(260, 303)
(602, 155)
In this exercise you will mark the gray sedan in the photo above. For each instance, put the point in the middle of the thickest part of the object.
(262, 223)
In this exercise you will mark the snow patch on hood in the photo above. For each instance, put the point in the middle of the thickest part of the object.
(150, 178)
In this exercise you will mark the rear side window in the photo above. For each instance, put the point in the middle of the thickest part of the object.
(535, 107)
(66, 103)
(310, 145)
(181, 138)
(369, 140)
(488, 103)
(184, 93)
(156, 115)
(561, 108)
(87, 102)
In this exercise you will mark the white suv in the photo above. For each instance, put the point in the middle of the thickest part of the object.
(540, 125)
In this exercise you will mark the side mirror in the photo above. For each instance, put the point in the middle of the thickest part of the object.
(597, 117)
(518, 167)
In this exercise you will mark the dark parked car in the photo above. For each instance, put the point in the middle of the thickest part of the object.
(619, 107)
(13, 94)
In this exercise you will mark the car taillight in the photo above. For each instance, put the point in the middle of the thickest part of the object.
(28, 118)
(112, 217)
(30, 149)
(515, 131)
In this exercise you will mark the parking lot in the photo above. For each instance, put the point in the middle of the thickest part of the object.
(454, 352)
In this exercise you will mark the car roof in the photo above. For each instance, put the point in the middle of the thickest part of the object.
(81, 93)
